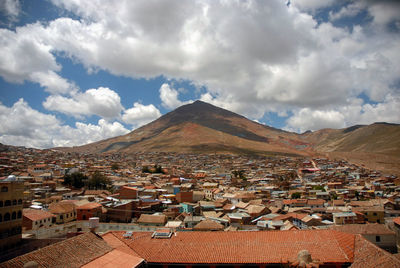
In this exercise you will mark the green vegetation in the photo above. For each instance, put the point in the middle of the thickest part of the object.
(239, 174)
(98, 181)
(114, 166)
(155, 169)
(296, 195)
(319, 187)
(76, 180)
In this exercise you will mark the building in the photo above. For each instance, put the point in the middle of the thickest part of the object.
(11, 196)
(89, 210)
(373, 214)
(126, 192)
(34, 219)
(64, 211)
(152, 220)
(377, 234)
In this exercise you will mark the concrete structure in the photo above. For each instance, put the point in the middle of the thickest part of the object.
(11, 196)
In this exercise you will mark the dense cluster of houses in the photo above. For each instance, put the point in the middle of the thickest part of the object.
(194, 192)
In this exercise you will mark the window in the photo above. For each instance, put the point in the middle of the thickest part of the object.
(14, 215)
(19, 215)
(4, 189)
(7, 203)
(19, 201)
(375, 214)
(14, 202)
(7, 216)
(1, 218)
(377, 238)
(1, 203)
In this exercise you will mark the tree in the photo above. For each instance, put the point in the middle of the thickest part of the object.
(76, 179)
(114, 166)
(296, 195)
(98, 181)
(319, 187)
(239, 174)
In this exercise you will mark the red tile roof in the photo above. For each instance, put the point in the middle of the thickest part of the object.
(61, 207)
(73, 252)
(375, 229)
(208, 225)
(91, 205)
(36, 215)
(367, 254)
(242, 247)
(397, 220)
(122, 256)
(157, 219)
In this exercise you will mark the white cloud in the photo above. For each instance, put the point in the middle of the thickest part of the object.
(169, 97)
(24, 55)
(140, 114)
(356, 112)
(10, 8)
(350, 10)
(251, 57)
(103, 102)
(312, 5)
(22, 125)
(258, 55)
(307, 119)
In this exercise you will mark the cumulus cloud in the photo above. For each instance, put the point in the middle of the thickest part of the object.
(350, 10)
(169, 97)
(252, 57)
(11, 8)
(356, 112)
(140, 114)
(24, 55)
(255, 54)
(311, 5)
(103, 102)
(22, 125)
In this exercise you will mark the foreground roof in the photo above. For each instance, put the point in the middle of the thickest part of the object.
(73, 252)
(242, 247)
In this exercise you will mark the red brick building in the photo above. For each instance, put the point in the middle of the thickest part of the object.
(126, 192)
(184, 197)
(88, 210)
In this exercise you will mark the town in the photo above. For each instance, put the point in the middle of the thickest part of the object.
(48, 196)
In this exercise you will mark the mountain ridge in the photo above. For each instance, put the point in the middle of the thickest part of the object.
(201, 127)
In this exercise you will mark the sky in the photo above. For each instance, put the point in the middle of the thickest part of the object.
(76, 71)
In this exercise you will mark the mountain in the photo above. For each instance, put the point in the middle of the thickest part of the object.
(375, 146)
(380, 138)
(204, 128)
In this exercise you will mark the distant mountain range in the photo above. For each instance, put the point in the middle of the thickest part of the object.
(203, 128)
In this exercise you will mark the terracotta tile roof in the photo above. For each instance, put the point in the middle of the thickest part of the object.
(315, 202)
(397, 220)
(91, 205)
(367, 254)
(242, 205)
(208, 225)
(242, 247)
(121, 256)
(145, 218)
(73, 252)
(97, 192)
(380, 229)
(115, 258)
(36, 215)
(256, 209)
(61, 207)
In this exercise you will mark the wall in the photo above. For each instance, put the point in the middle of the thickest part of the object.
(10, 230)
